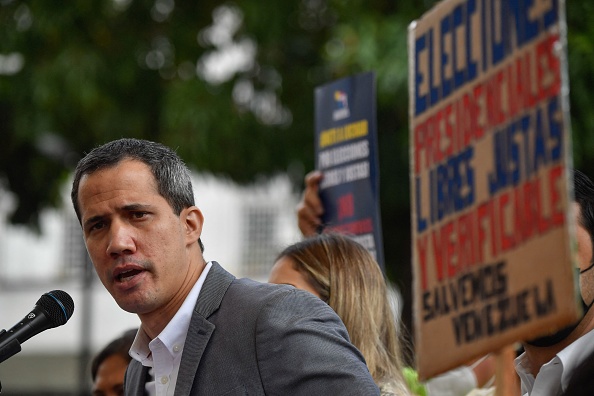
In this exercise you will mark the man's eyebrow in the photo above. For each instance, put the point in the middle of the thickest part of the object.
(92, 220)
(136, 206)
(126, 208)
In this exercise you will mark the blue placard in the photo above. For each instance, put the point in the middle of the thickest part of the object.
(346, 153)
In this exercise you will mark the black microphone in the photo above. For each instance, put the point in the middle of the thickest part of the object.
(53, 309)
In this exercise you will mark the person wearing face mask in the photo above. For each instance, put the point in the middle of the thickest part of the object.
(548, 364)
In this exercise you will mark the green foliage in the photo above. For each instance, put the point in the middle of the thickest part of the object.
(580, 61)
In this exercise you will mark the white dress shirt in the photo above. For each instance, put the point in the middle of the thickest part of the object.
(163, 354)
(553, 377)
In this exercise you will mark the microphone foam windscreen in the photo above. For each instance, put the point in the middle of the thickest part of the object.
(58, 305)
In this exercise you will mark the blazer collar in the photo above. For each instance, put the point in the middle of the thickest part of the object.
(213, 290)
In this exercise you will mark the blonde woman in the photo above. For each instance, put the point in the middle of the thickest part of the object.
(457, 382)
(344, 274)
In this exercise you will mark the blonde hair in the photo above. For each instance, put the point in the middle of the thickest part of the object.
(349, 280)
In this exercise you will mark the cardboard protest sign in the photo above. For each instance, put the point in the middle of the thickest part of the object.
(346, 153)
(490, 151)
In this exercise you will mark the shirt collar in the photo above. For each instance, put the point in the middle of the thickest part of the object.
(174, 334)
(574, 354)
(569, 358)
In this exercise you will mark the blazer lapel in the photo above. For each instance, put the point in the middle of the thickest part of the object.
(213, 290)
(136, 376)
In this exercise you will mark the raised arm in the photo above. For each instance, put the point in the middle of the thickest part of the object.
(310, 209)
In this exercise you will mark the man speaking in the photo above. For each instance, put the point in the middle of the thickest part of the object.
(202, 332)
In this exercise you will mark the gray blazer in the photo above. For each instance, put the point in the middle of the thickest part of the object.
(251, 338)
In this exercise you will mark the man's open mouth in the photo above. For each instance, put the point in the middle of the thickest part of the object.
(127, 275)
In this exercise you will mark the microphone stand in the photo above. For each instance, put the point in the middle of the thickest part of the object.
(9, 349)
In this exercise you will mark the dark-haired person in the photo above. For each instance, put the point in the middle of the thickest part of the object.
(546, 367)
(548, 363)
(203, 332)
(108, 367)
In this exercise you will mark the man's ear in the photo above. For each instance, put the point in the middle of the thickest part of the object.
(192, 219)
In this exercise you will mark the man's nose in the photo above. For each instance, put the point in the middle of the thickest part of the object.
(121, 239)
